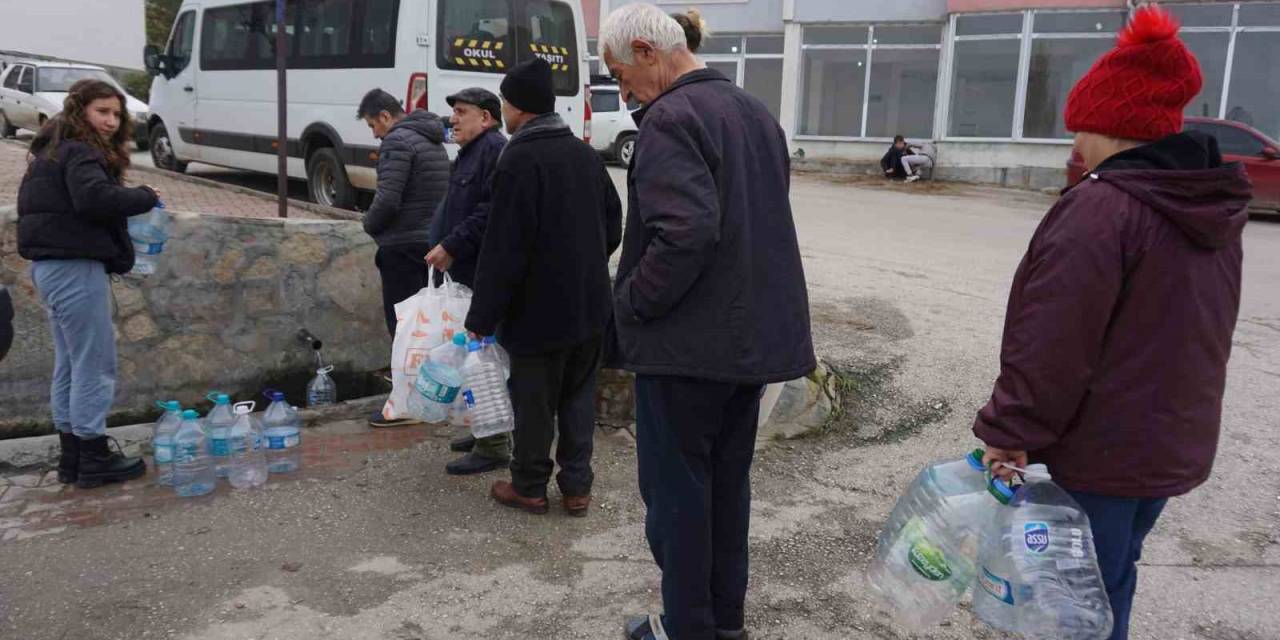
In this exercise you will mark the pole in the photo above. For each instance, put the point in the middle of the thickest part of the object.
(282, 118)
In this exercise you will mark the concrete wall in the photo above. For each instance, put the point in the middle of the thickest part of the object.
(726, 16)
(959, 6)
(102, 32)
(817, 11)
(1010, 164)
(222, 312)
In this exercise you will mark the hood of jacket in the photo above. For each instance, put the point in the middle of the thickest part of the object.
(424, 123)
(1183, 178)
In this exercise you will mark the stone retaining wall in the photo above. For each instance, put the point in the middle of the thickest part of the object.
(221, 312)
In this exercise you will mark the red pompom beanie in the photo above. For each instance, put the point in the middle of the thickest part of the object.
(1138, 89)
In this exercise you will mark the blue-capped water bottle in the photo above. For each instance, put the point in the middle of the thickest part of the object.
(148, 233)
(162, 441)
(218, 427)
(192, 465)
(282, 429)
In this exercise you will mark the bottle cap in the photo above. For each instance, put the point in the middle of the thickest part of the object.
(460, 339)
(169, 405)
(190, 414)
(1037, 472)
(218, 398)
(473, 346)
(975, 459)
(324, 370)
(999, 490)
(491, 340)
(244, 408)
(159, 204)
(273, 395)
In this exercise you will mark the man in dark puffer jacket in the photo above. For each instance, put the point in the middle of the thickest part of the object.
(413, 177)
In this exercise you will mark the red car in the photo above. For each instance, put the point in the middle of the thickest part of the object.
(1238, 143)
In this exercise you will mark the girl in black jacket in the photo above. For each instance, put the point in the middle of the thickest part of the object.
(72, 213)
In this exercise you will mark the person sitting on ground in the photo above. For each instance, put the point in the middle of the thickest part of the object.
(73, 211)
(901, 160)
(1121, 315)
(413, 176)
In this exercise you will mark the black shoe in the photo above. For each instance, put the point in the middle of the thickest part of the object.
(69, 461)
(100, 465)
(472, 464)
(376, 420)
(463, 445)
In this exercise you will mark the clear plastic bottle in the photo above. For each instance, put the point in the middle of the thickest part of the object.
(283, 430)
(218, 427)
(248, 450)
(491, 346)
(925, 557)
(438, 383)
(1039, 571)
(148, 234)
(458, 415)
(488, 400)
(192, 466)
(322, 391)
(162, 441)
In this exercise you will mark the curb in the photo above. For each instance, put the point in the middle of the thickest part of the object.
(20, 454)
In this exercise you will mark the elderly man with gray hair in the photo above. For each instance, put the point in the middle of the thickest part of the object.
(710, 305)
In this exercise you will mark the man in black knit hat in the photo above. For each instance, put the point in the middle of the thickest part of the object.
(542, 286)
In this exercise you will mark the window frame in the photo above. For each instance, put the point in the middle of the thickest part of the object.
(295, 10)
(869, 46)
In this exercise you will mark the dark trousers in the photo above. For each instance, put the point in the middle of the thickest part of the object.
(1120, 525)
(403, 273)
(547, 390)
(695, 441)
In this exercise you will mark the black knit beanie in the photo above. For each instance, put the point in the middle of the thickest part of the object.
(528, 87)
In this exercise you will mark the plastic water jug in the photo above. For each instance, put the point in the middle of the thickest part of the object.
(162, 441)
(283, 430)
(926, 556)
(439, 382)
(248, 450)
(1039, 571)
(218, 427)
(321, 391)
(192, 466)
(504, 358)
(148, 233)
(488, 400)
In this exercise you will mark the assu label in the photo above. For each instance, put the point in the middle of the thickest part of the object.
(1035, 536)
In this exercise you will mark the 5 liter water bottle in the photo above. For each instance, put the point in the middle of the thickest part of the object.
(192, 466)
(488, 401)
(148, 233)
(1039, 570)
(248, 450)
(439, 382)
(321, 390)
(925, 558)
(162, 441)
(283, 430)
(504, 358)
(218, 426)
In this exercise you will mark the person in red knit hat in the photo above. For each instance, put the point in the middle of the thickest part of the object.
(1119, 324)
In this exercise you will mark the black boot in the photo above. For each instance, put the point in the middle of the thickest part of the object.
(463, 444)
(69, 461)
(474, 463)
(99, 465)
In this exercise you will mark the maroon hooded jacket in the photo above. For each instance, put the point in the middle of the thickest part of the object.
(1119, 324)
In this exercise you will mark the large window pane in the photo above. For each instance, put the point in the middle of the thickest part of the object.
(378, 33)
(904, 83)
(476, 36)
(721, 44)
(727, 68)
(1201, 15)
(989, 24)
(765, 44)
(986, 77)
(1211, 50)
(1078, 22)
(832, 93)
(1056, 65)
(835, 35)
(325, 29)
(1260, 15)
(763, 79)
(913, 34)
(1255, 94)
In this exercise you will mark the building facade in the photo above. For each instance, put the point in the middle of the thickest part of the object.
(987, 80)
(110, 34)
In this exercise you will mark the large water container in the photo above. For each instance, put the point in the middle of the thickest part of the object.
(218, 427)
(162, 441)
(1039, 570)
(148, 233)
(925, 559)
(439, 381)
(283, 431)
(192, 466)
(322, 391)
(248, 450)
(488, 400)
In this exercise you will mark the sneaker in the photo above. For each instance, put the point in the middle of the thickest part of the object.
(376, 420)
(646, 627)
(913, 178)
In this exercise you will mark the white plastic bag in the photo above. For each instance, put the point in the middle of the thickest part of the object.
(423, 321)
